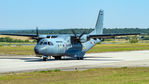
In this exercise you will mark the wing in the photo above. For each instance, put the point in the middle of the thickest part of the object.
(27, 35)
(33, 36)
(107, 36)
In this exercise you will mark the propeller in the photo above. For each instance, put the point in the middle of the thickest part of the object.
(77, 38)
(82, 35)
(37, 32)
(37, 35)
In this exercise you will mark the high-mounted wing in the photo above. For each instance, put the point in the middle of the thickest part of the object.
(33, 36)
(106, 36)
(28, 35)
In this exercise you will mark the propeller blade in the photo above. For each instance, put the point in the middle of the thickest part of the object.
(77, 39)
(81, 34)
(74, 33)
(37, 32)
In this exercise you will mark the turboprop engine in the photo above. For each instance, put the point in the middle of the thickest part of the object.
(84, 39)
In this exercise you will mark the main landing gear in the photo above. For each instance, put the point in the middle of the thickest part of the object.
(80, 58)
(45, 58)
(58, 57)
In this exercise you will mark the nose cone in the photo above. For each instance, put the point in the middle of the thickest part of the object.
(40, 50)
(36, 51)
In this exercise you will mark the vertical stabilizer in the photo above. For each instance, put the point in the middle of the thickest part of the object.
(99, 24)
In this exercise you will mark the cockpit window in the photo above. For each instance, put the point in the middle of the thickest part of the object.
(41, 43)
(45, 43)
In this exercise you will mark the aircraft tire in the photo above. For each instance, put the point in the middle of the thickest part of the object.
(58, 57)
(79, 58)
(44, 58)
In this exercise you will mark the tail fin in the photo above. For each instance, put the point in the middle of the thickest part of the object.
(99, 24)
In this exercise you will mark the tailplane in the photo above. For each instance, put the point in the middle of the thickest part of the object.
(99, 24)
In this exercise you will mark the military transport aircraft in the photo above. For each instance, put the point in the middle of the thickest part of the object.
(72, 45)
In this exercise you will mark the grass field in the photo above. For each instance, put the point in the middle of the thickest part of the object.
(92, 76)
(119, 47)
(29, 50)
(17, 37)
(16, 50)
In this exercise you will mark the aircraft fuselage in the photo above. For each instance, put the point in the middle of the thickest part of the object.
(62, 46)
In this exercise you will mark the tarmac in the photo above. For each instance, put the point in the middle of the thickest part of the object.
(9, 64)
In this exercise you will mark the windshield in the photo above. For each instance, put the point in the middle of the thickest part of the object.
(45, 43)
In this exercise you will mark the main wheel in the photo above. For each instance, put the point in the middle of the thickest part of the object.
(45, 58)
(58, 57)
(79, 58)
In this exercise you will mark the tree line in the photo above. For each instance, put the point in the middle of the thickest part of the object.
(79, 31)
(8, 39)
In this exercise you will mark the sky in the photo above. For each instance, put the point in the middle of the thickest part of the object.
(59, 14)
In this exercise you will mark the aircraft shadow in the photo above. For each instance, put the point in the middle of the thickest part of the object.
(96, 57)
(103, 59)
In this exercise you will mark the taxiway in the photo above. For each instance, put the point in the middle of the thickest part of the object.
(92, 60)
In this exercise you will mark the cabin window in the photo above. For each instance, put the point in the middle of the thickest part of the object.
(46, 43)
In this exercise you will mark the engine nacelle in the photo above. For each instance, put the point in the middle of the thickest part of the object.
(84, 38)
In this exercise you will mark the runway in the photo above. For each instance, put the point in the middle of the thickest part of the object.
(93, 60)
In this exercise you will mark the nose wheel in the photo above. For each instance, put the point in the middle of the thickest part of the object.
(45, 58)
